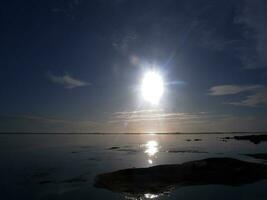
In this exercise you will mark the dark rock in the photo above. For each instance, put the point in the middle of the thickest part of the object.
(256, 139)
(45, 182)
(159, 179)
(113, 148)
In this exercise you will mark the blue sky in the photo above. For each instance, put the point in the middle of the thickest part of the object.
(76, 66)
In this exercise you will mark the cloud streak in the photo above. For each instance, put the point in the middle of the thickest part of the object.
(257, 96)
(253, 18)
(67, 81)
(254, 100)
(42, 124)
(157, 115)
(220, 90)
(161, 121)
(165, 122)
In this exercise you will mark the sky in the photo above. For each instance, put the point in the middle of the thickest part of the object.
(76, 66)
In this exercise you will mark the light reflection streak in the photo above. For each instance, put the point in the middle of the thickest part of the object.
(151, 196)
(151, 149)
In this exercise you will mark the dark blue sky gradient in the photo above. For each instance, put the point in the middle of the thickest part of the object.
(198, 44)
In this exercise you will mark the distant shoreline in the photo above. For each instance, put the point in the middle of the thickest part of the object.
(177, 133)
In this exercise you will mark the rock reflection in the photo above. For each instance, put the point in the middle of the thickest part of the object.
(151, 149)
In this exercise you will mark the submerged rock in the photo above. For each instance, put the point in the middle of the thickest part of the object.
(159, 179)
(113, 148)
(256, 139)
(45, 182)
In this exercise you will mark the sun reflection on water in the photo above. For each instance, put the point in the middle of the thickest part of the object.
(151, 196)
(151, 149)
(143, 196)
(146, 196)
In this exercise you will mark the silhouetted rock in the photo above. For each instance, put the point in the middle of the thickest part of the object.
(159, 179)
(256, 139)
(113, 148)
(45, 182)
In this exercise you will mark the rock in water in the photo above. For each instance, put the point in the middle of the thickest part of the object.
(256, 139)
(158, 179)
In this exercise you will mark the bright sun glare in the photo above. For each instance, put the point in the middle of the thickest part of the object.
(152, 87)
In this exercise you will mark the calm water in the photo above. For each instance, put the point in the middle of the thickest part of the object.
(64, 166)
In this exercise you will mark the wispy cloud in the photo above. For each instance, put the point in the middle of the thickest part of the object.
(49, 119)
(257, 96)
(253, 18)
(168, 122)
(161, 121)
(220, 90)
(67, 81)
(122, 41)
(156, 115)
(43, 124)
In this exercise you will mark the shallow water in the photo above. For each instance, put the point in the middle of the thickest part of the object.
(64, 166)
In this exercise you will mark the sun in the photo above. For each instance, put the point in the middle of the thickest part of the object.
(152, 87)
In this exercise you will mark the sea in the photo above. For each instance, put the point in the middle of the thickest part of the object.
(64, 166)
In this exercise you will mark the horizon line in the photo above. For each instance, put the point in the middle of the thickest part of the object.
(130, 133)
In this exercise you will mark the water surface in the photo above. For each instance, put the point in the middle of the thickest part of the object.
(46, 166)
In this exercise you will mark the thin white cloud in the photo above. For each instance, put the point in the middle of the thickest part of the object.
(139, 112)
(257, 99)
(153, 121)
(67, 81)
(201, 122)
(257, 94)
(220, 90)
(156, 115)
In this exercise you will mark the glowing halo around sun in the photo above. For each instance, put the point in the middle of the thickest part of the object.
(152, 87)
